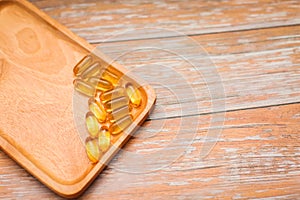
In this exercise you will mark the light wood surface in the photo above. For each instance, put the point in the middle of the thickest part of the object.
(254, 45)
(90, 18)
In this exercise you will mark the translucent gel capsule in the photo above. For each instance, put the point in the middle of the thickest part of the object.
(134, 95)
(98, 110)
(111, 77)
(119, 113)
(82, 65)
(121, 125)
(100, 84)
(92, 150)
(113, 94)
(92, 70)
(104, 139)
(84, 87)
(116, 104)
(92, 124)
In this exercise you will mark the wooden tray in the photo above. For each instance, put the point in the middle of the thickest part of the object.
(37, 127)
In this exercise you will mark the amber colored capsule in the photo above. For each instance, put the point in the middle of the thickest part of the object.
(92, 150)
(121, 125)
(92, 70)
(92, 124)
(134, 95)
(100, 84)
(82, 65)
(119, 113)
(111, 77)
(98, 110)
(104, 139)
(113, 94)
(116, 104)
(84, 87)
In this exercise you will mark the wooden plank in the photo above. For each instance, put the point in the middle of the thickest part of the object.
(98, 20)
(257, 156)
(256, 68)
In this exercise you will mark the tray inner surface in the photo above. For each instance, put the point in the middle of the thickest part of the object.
(36, 62)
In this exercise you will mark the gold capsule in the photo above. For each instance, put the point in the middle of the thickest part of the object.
(134, 95)
(98, 110)
(92, 150)
(92, 124)
(84, 87)
(113, 94)
(91, 70)
(115, 104)
(111, 77)
(100, 84)
(119, 113)
(82, 65)
(121, 125)
(104, 139)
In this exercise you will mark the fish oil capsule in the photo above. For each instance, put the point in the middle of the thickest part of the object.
(134, 95)
(116, 103)
(100, 84)
(121, 125)
(83, 87)
(82, 65)
(111, 77)
(92, 150)
(92, 124)
(113, 94)
(98, 110)
(104, 139)
(119, 113)
(92, 70)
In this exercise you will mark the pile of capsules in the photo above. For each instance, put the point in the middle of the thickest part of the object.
(110, 103)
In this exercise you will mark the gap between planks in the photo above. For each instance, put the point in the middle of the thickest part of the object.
(226, 111)
(194, 35)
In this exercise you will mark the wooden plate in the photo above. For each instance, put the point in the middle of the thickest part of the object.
(37, 127)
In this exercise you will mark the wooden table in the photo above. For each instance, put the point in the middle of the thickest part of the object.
(254, 49)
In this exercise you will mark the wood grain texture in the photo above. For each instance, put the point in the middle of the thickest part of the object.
(256, 68)
(38, 126)
(257, 156)
(98, 20)
(254, 45)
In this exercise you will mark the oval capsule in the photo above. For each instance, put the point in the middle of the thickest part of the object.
(92, 124)
(134, 95)
(104, 139)
(92, 70)
(121, 125)
(84, 87)
(113, 94)
(111, 77)
(100, 84)
(92, 150)
(98, 110)
(116, 103)
(82, 65)
(119, 113)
